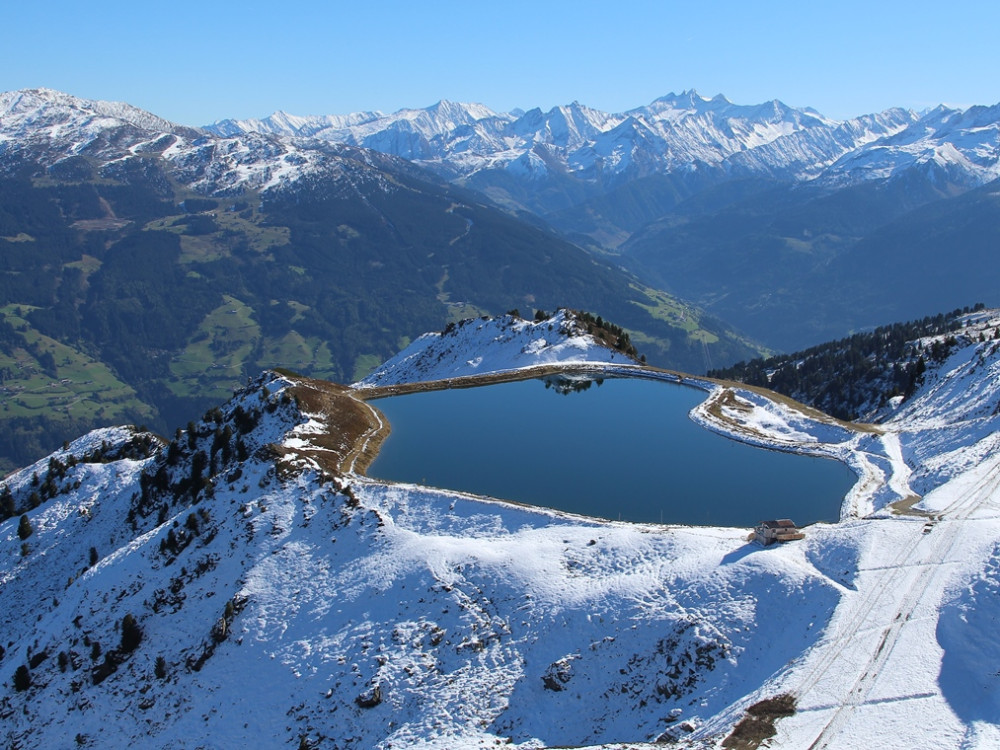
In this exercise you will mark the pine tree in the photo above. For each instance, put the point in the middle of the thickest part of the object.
(22, 678)
(131, 634)
(24, 529)
(7, 507)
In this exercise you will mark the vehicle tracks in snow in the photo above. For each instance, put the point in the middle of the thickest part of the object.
(904, 585)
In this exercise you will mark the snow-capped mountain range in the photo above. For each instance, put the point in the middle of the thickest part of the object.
(675, 132)
(55, 129)
(232, 588)
(679, 134)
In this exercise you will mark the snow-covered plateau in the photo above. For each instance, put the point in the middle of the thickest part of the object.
(243, 586)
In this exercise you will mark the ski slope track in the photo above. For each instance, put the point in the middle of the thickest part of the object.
(285, 599)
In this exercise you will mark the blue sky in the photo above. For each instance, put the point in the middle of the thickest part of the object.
(196, 62)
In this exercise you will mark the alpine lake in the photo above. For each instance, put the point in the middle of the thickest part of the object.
(618, 448)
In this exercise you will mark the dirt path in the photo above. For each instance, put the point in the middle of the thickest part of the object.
(350, 432)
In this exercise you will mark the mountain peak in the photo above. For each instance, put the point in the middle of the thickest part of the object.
(687, 96)
(36, 107)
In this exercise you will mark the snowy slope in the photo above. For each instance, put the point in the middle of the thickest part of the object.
(371, 615)
(44, 114)
(955, 145)
(489, 345)
(805, 154)
(926, 583)
(290, 603)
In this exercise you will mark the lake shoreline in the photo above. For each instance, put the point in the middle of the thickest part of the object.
(714, 413)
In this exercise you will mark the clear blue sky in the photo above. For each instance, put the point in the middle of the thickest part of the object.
(197, 62)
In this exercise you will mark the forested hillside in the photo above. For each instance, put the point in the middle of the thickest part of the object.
(853, 377)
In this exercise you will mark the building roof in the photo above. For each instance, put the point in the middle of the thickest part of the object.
(781, 523)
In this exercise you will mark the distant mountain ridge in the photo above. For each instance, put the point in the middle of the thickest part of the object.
(58, 130)
(42, 115)
(675, 132)
(765, 215)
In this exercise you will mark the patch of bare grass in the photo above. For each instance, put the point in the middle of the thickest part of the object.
(904, 507)
(758, 723)
(353, 430)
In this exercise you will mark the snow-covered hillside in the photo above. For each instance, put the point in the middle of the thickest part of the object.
(281, 603)
(44, 115)
(492, 345)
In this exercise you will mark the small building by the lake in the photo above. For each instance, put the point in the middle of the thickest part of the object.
(780, 530)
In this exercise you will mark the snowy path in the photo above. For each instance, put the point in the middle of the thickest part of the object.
(876, 656)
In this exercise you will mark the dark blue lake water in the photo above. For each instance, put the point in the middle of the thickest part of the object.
(625, 449)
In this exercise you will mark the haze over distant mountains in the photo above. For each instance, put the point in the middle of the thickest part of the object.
(678, 132)
(778, 219)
